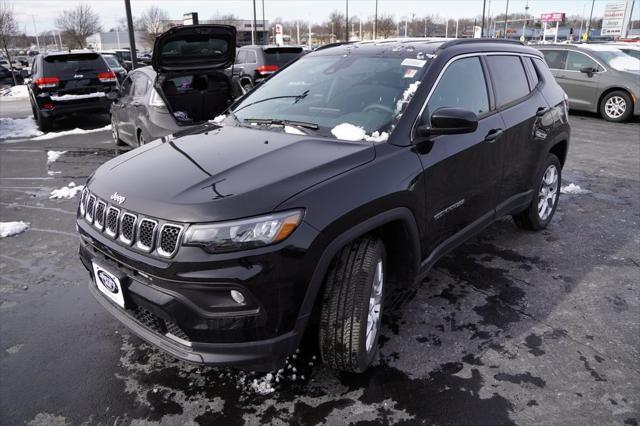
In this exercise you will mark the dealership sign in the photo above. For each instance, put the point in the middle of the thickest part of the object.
(552, 17)
(614, 17)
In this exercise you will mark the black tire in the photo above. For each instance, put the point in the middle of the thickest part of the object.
(141, 140)
(45, 124)
(622, 100)
(345, 306)
(115, 135)
(247, 86)
(34, 111)
(531, 217)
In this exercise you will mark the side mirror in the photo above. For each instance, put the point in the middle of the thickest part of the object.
(588, 70)
(449, 121)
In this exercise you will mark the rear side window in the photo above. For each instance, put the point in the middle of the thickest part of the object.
(509, 78)
(543, 70)
(462, 86)
(281, 56)
(576, 61)
(533, 75)
(74, 63)
(140, 85)
(241, 57)
(556, 59)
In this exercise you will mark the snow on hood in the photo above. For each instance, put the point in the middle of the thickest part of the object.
(293, 131)
(54, 155)
(67, 192)
(218, 119)
(349, 132)
(18, 128)
(75, 131)
(8, 229)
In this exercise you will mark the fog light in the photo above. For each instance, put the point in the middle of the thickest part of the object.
(47, 106)
(237, 297)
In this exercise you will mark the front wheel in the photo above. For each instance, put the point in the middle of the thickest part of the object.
(616, 106)
(352, 303)
(539, 213)
(115, 135)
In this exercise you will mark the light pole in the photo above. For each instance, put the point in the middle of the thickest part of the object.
(264, 25)
(590, 16)
(524, 23)
(33, 18)
(484, 6)
(347, 26)
(506, 19)
(132, 37)
(253, 29)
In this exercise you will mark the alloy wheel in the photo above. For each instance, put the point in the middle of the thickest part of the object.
(375, 302)
(548, 195)
(615, 106)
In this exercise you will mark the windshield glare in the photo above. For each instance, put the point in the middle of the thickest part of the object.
(620, 61)
(366, 92)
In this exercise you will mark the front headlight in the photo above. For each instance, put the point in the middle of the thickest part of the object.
(244, 234)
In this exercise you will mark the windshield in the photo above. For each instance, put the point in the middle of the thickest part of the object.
(620, 61)
(349, 92)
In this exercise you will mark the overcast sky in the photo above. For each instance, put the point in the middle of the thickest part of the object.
(45, 11)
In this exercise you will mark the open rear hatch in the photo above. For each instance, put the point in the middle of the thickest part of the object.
(190, 62)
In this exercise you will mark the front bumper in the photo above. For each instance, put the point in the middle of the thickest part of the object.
(183, 305)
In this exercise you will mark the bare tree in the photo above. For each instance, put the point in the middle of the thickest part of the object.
(386, 26)
(153, 22)
(78, 24)
(336, 25)
(8, 29)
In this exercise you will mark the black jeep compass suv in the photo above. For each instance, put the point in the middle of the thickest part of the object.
(352, 168)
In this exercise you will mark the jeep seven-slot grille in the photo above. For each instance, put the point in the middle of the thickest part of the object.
(144, 233)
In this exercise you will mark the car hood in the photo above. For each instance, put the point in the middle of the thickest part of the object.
(223, 173)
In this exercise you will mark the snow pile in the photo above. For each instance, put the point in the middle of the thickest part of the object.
(67, 192)
(54, 155)
(377, 137)
(573, 189)
(75, 97)
(15, 92)
(348, 132)
(18, 128)
(293, 130)
(76, 131)
(8, 229)
(263, 386)
(407, 96)
(218, 119)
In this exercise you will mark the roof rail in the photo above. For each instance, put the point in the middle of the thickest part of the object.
(478, 40)
(339, 43)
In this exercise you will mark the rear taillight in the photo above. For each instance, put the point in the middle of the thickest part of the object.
(47, 105)
(267, 69)
(47, 82)
(107, 77)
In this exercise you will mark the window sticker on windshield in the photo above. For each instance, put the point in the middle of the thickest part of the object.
(410, 72)
(408, 62)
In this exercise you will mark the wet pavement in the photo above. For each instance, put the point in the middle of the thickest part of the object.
(511, 328)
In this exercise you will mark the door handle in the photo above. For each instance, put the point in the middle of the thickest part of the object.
(542, 111)
(493, 135)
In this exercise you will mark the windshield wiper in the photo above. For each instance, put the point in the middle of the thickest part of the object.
(296, 97)
(278, 122)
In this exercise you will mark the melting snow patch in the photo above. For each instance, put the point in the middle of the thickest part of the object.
(407, 95)
(219, 119)
(18, 128)
(264, 385)
(15, 92)
(68, 191)
(348, 132)
(54, 155)
(8, 229)
(52, 135)
(573, 189)
(377, 137)
(292, 130)
(74, 97)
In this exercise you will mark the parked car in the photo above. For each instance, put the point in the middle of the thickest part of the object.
(186, 85)
(353, 168)
(116, 66)
(254, 64)
(123, 55)
(6, 78)
(69, 82)
(597, 78)
(22, 60)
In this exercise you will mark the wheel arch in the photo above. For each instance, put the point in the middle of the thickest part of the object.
(398, 231)
(559, 149)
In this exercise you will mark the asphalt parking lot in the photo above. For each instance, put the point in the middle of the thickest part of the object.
(512, 327)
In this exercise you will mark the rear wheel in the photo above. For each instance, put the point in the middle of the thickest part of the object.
(616, 106)
(45, 124)
(352, 303)
(247, 86)
(141, 140)
(539, 213)
(115, 135)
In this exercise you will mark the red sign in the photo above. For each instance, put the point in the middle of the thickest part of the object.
(552, 17)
